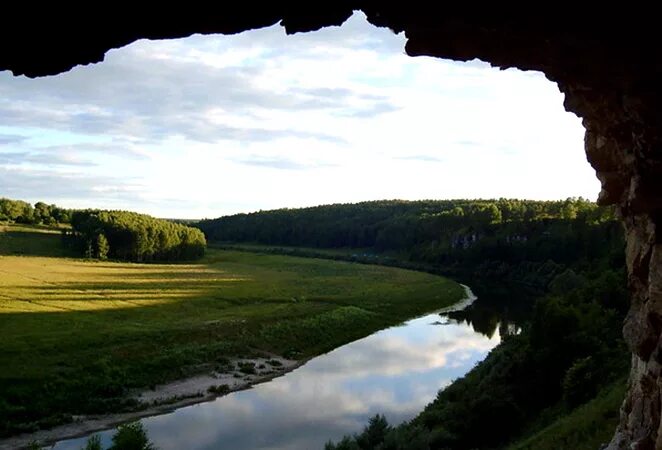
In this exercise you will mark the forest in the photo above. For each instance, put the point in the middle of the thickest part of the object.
(524, 240)
(422, 227)
(120, 235)
(130, 236)
(18, 211)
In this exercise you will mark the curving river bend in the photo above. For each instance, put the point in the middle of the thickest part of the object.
(396, 372)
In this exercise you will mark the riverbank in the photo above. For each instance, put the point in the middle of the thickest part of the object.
(279, 414)
(238, 374)
(166, 398)
(80, 336)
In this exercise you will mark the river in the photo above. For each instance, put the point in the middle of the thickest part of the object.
(395, 371)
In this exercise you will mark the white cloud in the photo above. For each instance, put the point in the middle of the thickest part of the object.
(211, 125)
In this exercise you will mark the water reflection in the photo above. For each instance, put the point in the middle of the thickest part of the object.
(395, 372)
(499, 312)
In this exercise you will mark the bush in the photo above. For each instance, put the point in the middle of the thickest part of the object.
(580, 382)
(131, 436)
(221, 389)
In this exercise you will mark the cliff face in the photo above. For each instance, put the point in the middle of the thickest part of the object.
(607, 63)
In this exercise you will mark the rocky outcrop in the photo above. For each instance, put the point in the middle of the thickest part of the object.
(607, 63)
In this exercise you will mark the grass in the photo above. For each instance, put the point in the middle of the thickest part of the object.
(586, 428)
(331, 252)
(353, 254)
(77, 335)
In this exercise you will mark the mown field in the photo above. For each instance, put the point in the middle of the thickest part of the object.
(77, 335)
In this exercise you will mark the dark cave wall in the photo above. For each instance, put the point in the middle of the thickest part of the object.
(608, 65)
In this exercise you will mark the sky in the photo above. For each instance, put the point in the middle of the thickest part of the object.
(213, 125)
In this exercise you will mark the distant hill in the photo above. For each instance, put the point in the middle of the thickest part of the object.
(450, 233)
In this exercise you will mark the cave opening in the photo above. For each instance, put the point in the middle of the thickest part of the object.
(609, 79)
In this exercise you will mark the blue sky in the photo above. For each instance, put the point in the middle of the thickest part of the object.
(213, 125)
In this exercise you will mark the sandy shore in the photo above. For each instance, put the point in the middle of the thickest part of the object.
(462, 304)
(239, 374)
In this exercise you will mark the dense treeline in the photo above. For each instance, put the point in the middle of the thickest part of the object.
(135, 237)
(395, 224)
(528, 241)
(120, 235)
(41, 213)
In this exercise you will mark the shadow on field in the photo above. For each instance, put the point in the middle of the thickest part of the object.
(32, 243)
(61, 356)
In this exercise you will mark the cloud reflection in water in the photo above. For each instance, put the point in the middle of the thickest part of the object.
(395, 372)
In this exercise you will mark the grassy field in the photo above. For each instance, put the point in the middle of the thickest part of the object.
(77, 335)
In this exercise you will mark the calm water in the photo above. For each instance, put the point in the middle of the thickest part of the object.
(396, 372)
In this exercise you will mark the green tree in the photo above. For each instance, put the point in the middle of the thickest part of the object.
(42, 213)
(569, 209)
(102, 246)
(492, 213)
(373, 435)
(346, 443)
(11, 210)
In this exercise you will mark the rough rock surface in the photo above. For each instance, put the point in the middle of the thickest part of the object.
(608, 63)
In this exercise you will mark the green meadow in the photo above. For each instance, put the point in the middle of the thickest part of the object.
(78, 335)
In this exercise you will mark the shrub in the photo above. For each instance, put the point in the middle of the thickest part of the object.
(94, 443)
(131, 436)
(247, 367)
(221, 389)
(580, 382)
